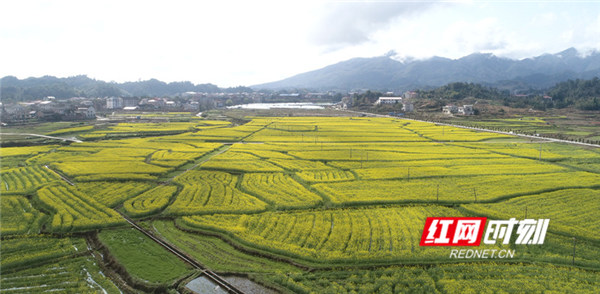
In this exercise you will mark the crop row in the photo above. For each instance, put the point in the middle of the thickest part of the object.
(566, 209)
(374, 233)
(256, 165)
(453, 189)
(73, 275)
(272, 135)
(18, 216)
(490, 277)
(459, 170)
(113, 193)
(354, 154)
(75, 211)
(70, 130)
(174, 155)
(331, 175)
(502, 160)
(300, 165)
(115, 177)
(150, 202)
(279, 189)
(260, 150)
(108, 168)
(25, 179)
(25, 251)
(211, 191)
(29, 150)
(216, 254)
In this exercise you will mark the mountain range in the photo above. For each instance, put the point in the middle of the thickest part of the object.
(382, 73)
(386, 73)
(14, 89)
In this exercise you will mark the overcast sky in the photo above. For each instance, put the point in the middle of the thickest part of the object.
(232, 43)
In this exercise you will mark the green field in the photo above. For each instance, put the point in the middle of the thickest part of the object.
(140, 255)
(298, 204)
(573, 126)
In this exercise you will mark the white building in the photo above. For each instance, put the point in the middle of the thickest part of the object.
(388, 100)
(450, 109)
(411, 95)
(86, 112)
(466, 110)
(114, 103)
(459, 110)
(408, 107)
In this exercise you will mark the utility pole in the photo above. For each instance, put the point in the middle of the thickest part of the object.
(408, 173)
(475, 194)
(437, 195)
(573, 251)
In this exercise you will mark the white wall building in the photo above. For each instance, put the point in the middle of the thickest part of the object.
(388, 100)
(114, 103)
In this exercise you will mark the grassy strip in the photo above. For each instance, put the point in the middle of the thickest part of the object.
(216, 254)
(142, 257)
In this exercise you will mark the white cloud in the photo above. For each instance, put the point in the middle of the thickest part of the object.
(482, 36)
(352, 23)
(247, 42)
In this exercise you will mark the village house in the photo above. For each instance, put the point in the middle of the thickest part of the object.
(85, 112)
(114, 103)
(458, 110)
(450, 109)
(388, 100)
(411, 95)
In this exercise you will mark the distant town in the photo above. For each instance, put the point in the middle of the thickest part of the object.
(50, 108)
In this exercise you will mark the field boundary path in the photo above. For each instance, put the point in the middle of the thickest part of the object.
(203, 159)
(60, 175)
(42, 136)
(208, 273)
(481, 129)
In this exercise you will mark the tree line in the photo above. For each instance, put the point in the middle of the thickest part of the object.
(580, 94)
(13, 89)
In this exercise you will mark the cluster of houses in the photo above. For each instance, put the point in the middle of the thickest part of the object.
(134, 103)
(49, 109)
(458, 110)
(81, 108)
(404, 100)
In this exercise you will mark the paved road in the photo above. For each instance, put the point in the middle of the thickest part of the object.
(42, 136)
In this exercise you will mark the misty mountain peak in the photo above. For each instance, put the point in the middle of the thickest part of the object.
(392, 72)
(569, 53)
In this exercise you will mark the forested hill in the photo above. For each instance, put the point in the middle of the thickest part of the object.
(457, 91)
(585, 94)
(14, 89)
(581, 94)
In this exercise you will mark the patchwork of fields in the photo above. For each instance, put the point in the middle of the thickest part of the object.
(300, 204)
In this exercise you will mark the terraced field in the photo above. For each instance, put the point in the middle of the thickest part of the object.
(299, 204)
